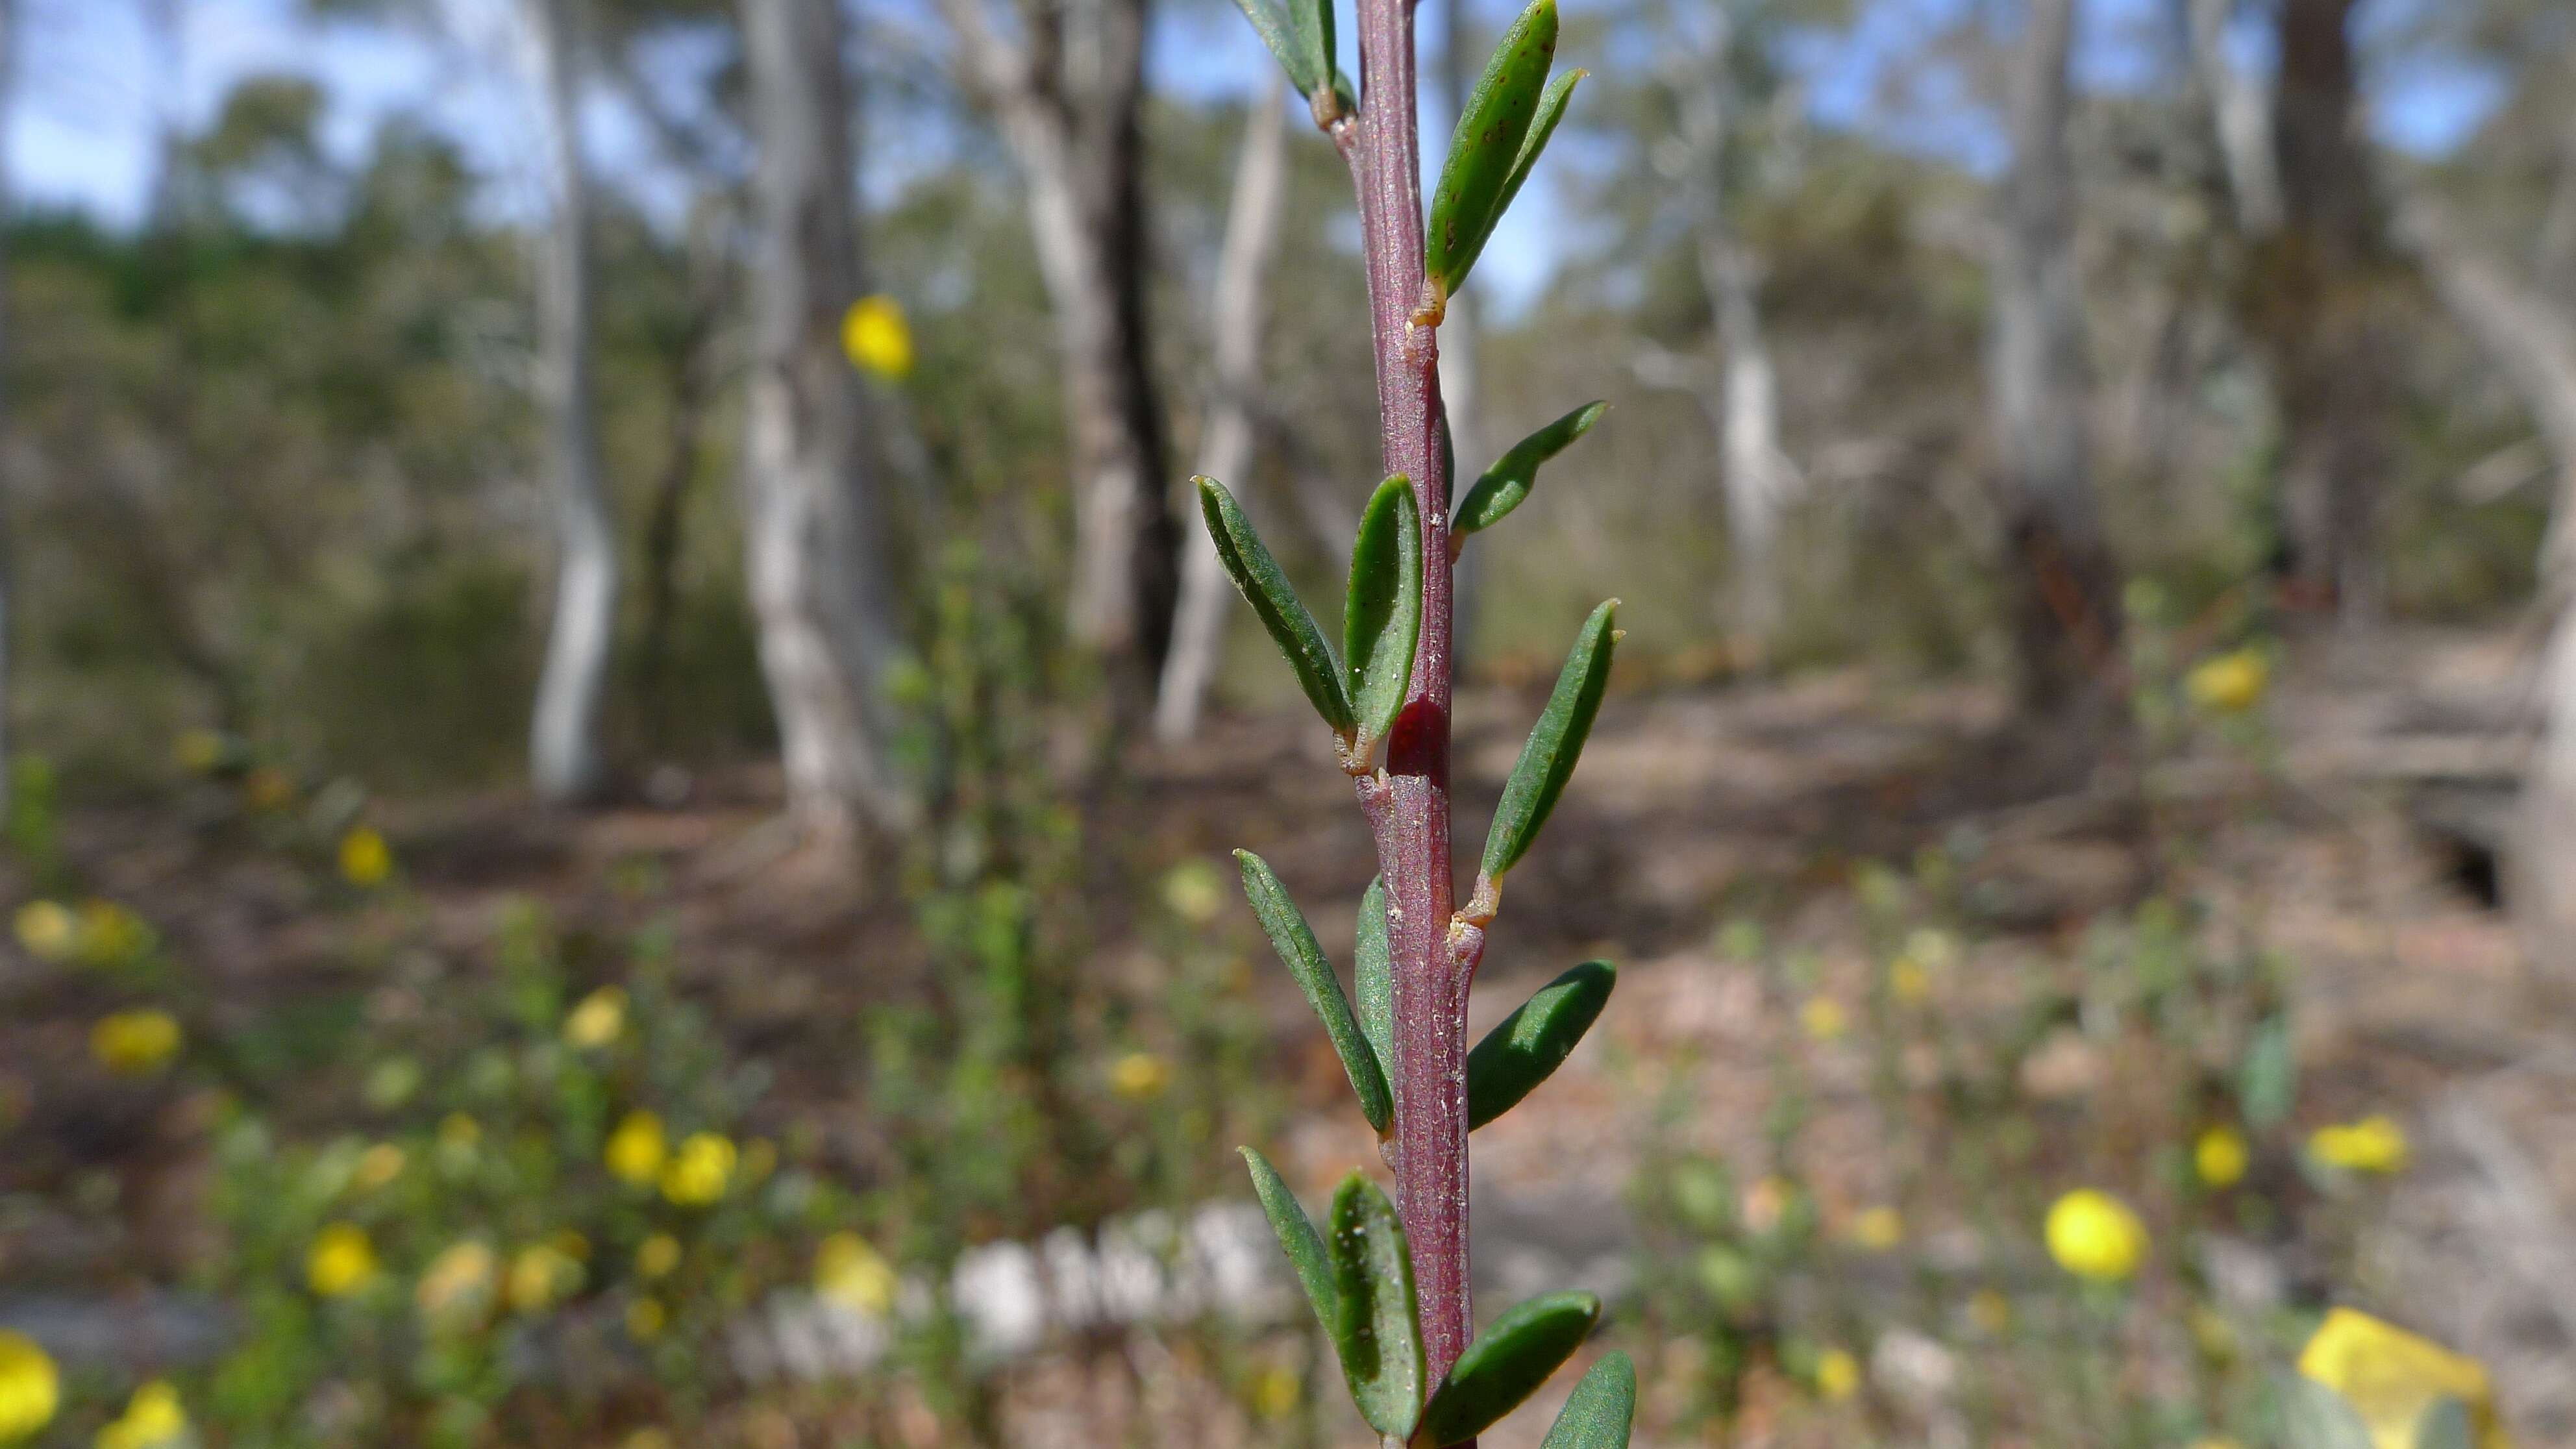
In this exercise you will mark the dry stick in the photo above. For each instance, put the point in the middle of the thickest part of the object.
(1408, 801)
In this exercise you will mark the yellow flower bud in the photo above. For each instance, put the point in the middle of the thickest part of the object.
(2094, 1235)
(48, 930)
(598, 1020)
(2231, 683)
(135, 1043)
(878, 338)
(31, 1388)
(153, 1419)
(1837, 1374)
(365, 859)
(1878, 1229)
(2221, 1156)
(1823, 1018)
(2373, 1144)
(701, 1171)
(657, 1256)
(1140, 1076)
(850, 1272)
(341, 1261)
(637, 1148)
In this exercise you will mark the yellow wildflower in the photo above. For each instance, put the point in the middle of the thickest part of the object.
(269, 788)
(657, 1255)
(377, 1166)
(2391, 1377)
(598, 1020)
(645, 1318)
(2094, 1235)
(1275, 1391)
(341, 1260)
(540, 1274)
(31, 1388)
(701, 1171)
(1823, 1018)
(1990, 1311)
(111, 935)
(1878, 1229)
(365, 859)
(848, 1271)
(153, 1418)
(1837, 1374)
(878, 338)
(1140, 1076)
(2221, 1156)
(199, 752)
(2230, 683)
(2373, 1144)
(48, 930)
(458, 1282)
(1194, 891)
(1909, 980)
(135, 1043)
(636, 1149)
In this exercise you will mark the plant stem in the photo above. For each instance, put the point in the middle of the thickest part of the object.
(1408, 802)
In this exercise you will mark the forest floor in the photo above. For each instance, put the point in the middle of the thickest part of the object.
(1694, 808)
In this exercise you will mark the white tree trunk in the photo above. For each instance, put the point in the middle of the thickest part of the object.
(2532, 339)
(813, 535)
(564, 753)
(8, 572)
(1251, 232)
(1758, 477)
(2240, 117)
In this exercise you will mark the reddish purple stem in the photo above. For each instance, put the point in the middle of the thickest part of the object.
(1408, 805)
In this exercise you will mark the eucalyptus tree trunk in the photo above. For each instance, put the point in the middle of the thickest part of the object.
(8, 573)
(2531, 337)
(1070, 100)
(2064, 593)
(814, 536)
(2239, 119)
(565, 763)
(2315, 300)
(1251, 233)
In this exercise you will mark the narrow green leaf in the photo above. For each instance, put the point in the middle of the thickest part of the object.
(1506, 1364)
(1286, 38)
(1383, 615)
(1603, 1406)
(2314, 1416)
(1555, 743)
(1527, 1046)
(2445, 1425)
(1297, 1238)
(1310, 26)
(1266, 589)
(1373, 978)
(1376, 1333)
(1505, 484)
(1295, 942)
(1551, 109)
(1486, 149)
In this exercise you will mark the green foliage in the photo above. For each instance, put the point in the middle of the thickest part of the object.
(1297, 1238)
(1487, 156)
(1274, 601)
(1507, 1363)
(1373, 977)
(1300, 34)
(2316, 1417)
(1601, 1409)
(1526, 1047)
(1383, 617)
(2445, 1425)
(1555, 743)
(1295, 942)
(1502, 487)
(1376, 1330)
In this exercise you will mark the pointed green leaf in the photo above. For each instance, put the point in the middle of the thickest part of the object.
(1556, 742)
(1377, 1334)
(1297, 1238)
(1295, 942)
(1310, 27)
(1373, 978)
(1383, 616)
(1551, 109)
(1603, 1407)
(2445, 1425)
(1486, 149)
(1506, 483)
(1506, 1364)
(1288, 41)
(2314, 1416)
(1266, 589)
(1531, 1043)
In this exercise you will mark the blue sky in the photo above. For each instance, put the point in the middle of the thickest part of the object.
(95, 85)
